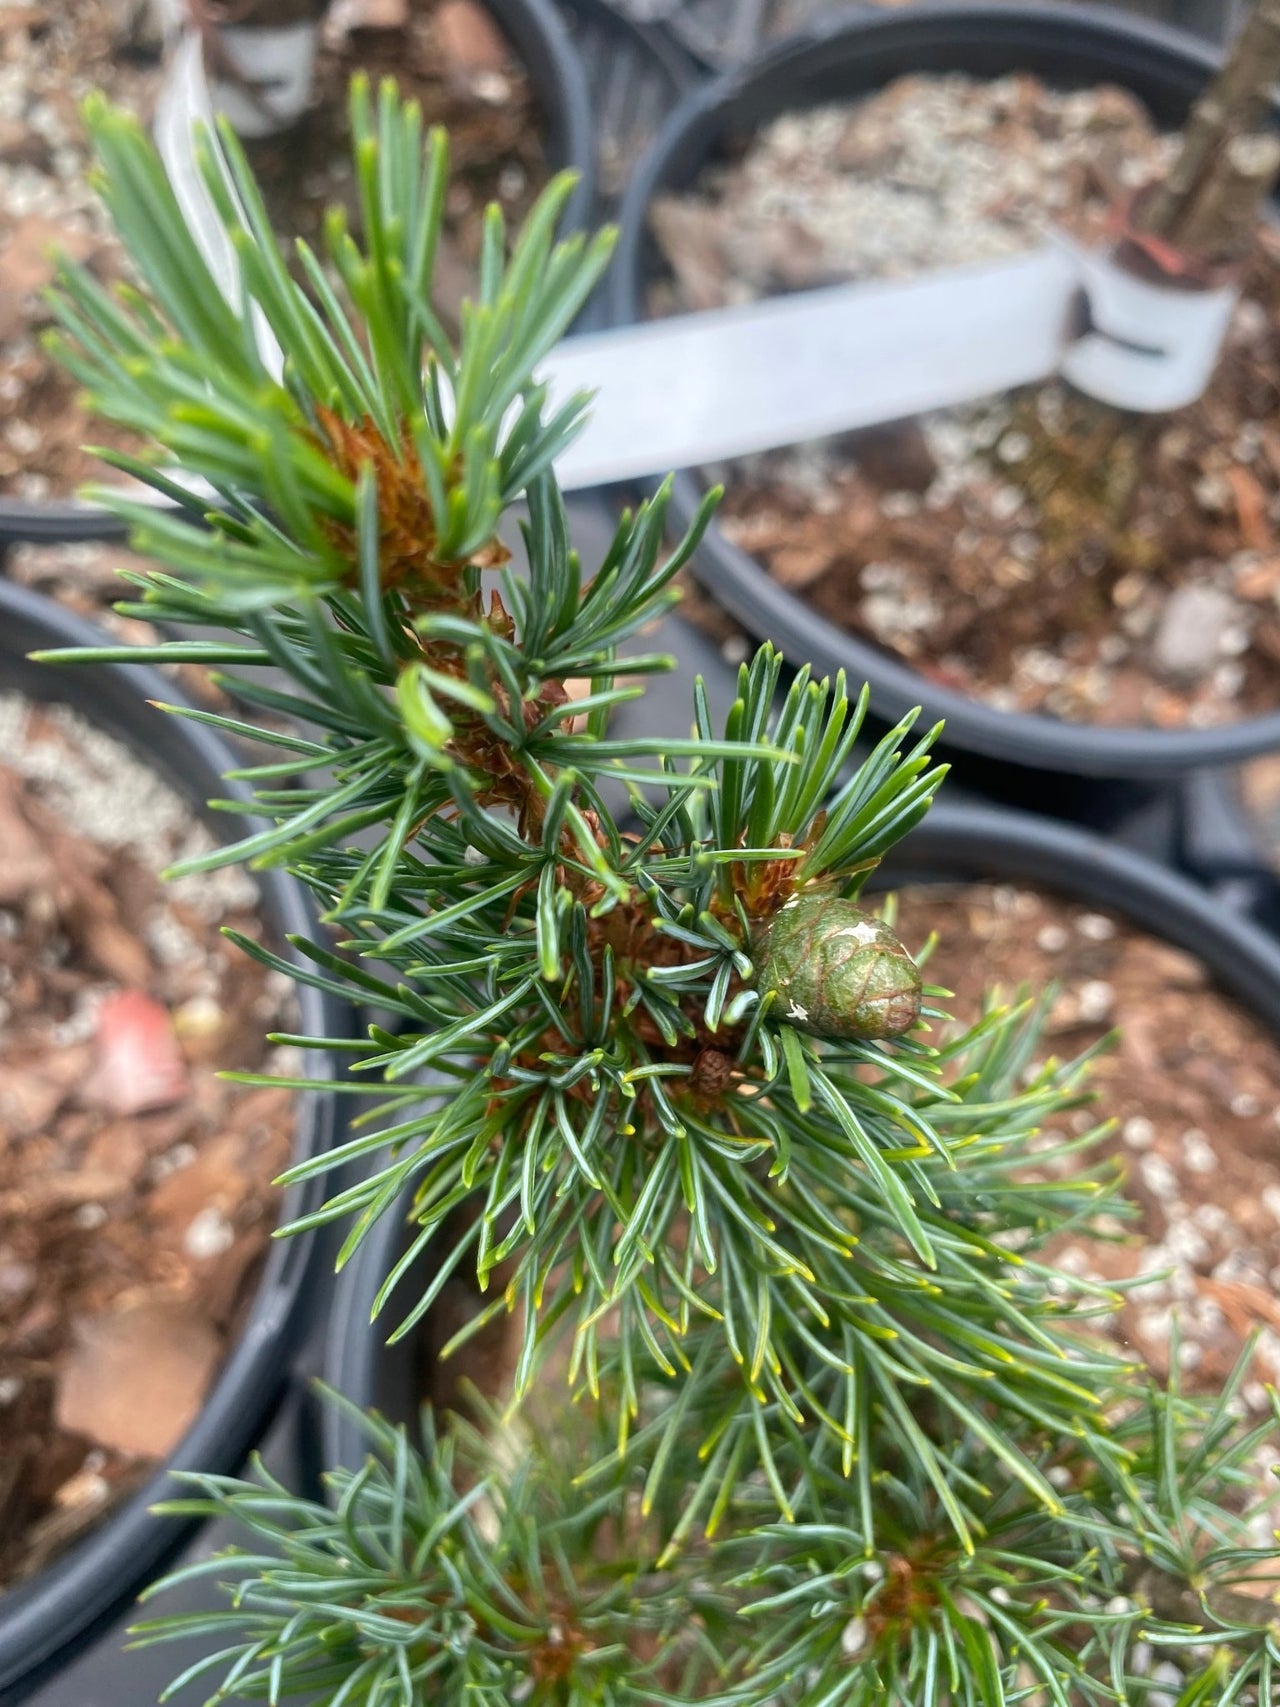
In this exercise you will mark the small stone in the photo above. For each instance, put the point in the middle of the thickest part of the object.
(1139, 1132)
(1213, 493)
(1095, 927)
(1127, 591)
(209, 1234)
(1005, 502)
(17, 1281)
(1212, 1218)
(1185, 1243)
(1159, 1178)
(1188, 642)
(853, 1638)
(1197, 1152)
(1014, 447)
(173, 1161)
(1096, 1000)
(1052, 939)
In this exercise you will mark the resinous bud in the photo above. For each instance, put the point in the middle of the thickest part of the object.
(839, 972)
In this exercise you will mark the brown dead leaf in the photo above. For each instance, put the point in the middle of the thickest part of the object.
(1244, 1306)
(47, 1195)
(212, 1181)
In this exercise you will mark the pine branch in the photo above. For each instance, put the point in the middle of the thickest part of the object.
(657, 1078)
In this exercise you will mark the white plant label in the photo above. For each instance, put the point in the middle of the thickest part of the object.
(1150, 348)
(277, 68)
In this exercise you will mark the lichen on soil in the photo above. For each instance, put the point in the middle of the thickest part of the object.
(1129, 578)
(136, 1195)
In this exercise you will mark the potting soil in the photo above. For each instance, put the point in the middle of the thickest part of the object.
(135, 1186)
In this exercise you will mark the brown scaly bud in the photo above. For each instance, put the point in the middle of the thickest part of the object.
(838, 972)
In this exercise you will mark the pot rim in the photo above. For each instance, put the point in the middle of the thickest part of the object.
(739, 581)
(43, 1622)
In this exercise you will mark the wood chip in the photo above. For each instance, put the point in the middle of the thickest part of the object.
(1251, 508)
(135, 1376)
(469, 39)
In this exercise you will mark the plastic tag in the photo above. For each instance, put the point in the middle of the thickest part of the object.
(279, 67)
(1150, 347)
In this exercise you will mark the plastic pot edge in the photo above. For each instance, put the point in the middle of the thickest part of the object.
(43, 1622)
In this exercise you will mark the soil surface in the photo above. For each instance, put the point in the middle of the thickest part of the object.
(51, 57)
(1194, 1086)
(449, 56)
(84, 576)
(1035, 551)
(135, 1187)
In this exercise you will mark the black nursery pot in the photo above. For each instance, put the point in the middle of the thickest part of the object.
(842, 58)
(358, 1363)
(43, 1622)
(955, 844)
(542, 43)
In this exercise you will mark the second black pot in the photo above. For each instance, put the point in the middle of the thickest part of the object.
(43, 1622)
(841, 59)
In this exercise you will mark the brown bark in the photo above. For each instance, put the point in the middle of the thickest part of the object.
(1227, 162)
